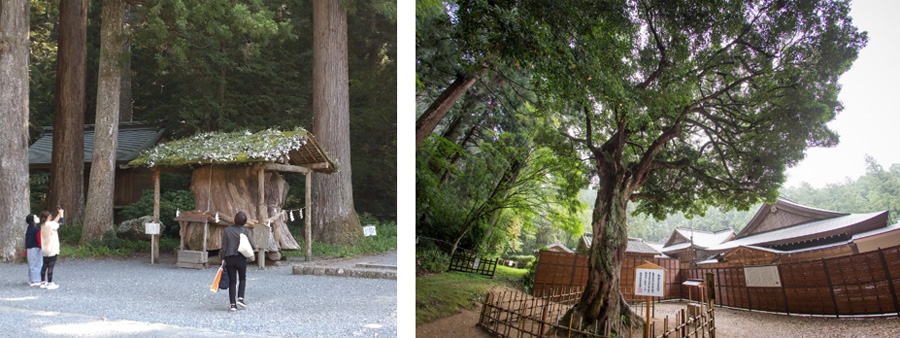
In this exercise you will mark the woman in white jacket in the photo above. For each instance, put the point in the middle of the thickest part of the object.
(49, 246)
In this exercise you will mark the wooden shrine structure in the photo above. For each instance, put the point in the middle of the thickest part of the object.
(233, 172)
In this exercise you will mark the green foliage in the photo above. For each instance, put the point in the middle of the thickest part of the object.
(527, 279)
(523, 260)
(432, 260)
(169, 202)
(38, 183)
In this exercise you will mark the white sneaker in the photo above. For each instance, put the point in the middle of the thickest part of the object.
(52, 286)
(43, 285)
(34, 284)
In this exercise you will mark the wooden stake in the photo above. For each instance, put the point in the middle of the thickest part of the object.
(262, 240)
(154, 239)
(647, 325)
(307, 230)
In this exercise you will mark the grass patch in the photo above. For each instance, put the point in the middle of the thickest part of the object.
(385, 240)
(446, 294)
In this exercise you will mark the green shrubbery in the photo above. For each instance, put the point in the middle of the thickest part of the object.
(169, 202)
(432, 260)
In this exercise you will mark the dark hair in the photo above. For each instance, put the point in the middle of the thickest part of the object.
(45, 215)
(29, 219)
(240, 218)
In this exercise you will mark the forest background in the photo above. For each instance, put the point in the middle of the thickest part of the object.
(226, 66)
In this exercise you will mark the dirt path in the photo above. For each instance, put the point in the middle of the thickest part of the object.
(458, 326)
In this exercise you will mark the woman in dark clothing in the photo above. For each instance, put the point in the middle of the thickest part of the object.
(33, 250)
(235, 262)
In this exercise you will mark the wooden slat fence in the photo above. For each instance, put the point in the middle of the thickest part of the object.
(861, 284)
(471, 263)
(703, 325)
(559, 270)
(516, 314)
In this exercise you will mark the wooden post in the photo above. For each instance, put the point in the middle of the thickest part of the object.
(263, 215)
(307, 229)
(154, 239)
(647, 325)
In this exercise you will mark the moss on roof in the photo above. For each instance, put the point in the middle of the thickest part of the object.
(224, 148)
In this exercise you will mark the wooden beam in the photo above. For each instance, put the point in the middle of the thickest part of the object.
(307, 230)
(320, 165)
(285, 168)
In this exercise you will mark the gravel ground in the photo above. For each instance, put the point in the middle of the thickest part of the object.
(740, 323)
(132, 298)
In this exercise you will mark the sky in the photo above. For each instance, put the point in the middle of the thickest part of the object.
(871, 88)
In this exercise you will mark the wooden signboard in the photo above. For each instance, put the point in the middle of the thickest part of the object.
(762, 276)
(649, 281)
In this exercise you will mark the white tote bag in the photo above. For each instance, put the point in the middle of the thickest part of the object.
(244, 248)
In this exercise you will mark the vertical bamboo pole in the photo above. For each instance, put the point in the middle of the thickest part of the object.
(154, 239)
(666, 326)
(307, 229)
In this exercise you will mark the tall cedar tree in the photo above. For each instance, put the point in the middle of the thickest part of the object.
(98, 214)
(333, 215)
(679, 105)
(67, 161)
(14, 25)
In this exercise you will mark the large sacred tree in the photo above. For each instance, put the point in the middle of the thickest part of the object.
(677, 105)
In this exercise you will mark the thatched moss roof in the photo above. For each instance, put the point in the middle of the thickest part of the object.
(297, 147)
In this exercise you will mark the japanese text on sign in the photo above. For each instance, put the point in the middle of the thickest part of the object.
(648, 282)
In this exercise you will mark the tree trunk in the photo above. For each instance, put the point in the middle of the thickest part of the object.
(98, 214)
(501, 192)
(334, 218)
(426, 123)
(67, 162)
(602, 300)
(229, 189)
(126, 107)
(14, 27)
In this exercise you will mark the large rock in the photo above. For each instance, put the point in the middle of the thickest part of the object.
(134, 228)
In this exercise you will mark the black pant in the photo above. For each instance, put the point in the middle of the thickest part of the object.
(47, 269)
(236, 265)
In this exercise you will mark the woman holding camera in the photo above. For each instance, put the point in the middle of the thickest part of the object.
(50, 246)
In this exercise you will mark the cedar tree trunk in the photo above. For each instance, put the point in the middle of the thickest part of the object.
(14, 26)
(426, 123)
(98, 213)
(334, 218)
(67, 162)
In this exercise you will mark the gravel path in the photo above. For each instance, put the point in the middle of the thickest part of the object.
(739, 323)
(132, 298)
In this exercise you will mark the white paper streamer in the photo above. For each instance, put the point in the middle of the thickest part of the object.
(217, 217)
(177, 212)
(292, 215)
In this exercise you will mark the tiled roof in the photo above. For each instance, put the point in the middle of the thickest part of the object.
(638, 246)
(807, 231)
(701, 238)
(133, 138)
